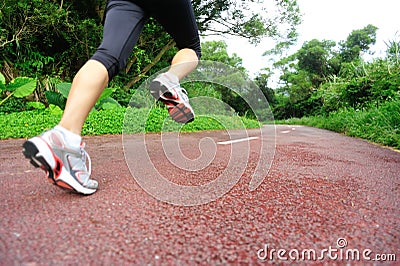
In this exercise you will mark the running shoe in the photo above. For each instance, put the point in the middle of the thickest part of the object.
(65, 166)
(175, 97)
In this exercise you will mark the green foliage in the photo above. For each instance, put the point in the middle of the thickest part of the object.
(104, 122)
(217, 51)
(109, 104)
(230, 83)
(320, 78)
(27, 124)
(198, 89)
(13, 105)
(246, 18)
(56, 98)
(315, 58)
(64, 88)
(19, 88)
(59, 98)
(158, 120)
(358, 41)
(40, 38)
(269, 93)
(55, 110)
(378, 124)
(357, 91)
(393, 51)
(36, 105)
(360, 86)
(31, 123)
(2, 83)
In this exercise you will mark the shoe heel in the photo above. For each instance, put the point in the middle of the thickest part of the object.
(157, 89)
(30, 151)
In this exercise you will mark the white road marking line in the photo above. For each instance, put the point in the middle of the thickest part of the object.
(236, 140)
(285, 131)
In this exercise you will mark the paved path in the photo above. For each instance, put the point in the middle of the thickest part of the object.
(321, 187)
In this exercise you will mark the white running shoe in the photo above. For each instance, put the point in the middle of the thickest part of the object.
(175, 97)
(64, 165)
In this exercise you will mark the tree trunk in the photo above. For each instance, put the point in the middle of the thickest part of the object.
(8, 71)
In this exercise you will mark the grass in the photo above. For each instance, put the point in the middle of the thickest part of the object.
(377, 124)
(116, 121)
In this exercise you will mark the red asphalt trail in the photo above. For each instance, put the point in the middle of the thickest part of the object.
(322, 186)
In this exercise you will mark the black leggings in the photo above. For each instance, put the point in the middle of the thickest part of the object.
(124, 21)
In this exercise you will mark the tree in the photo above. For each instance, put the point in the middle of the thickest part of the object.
(40, 37)
(318, 62)
(233, 73)
(247, 18)
(262, 82)
(314, 57)
(217, 51)
(306, 69)
(358, 41)
(393, 51)
(43, 37)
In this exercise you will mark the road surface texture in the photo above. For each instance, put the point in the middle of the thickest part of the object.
(325, 194)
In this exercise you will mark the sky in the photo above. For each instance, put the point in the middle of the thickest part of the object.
(329, 20)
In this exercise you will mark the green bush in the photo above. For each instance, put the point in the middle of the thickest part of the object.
(15, 91)
(27, 124)
(378, 124)
(114, 121)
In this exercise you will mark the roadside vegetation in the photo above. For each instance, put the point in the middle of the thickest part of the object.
(324, 84)
(43, 44)
(333, 87)
(377, 124)
(31, 123)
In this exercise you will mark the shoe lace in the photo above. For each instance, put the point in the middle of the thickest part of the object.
(85, 156)
(183, 92)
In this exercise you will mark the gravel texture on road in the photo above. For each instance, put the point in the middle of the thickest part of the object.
(323, 191)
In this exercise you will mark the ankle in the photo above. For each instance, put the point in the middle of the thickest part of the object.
(70, 137)
(172, 77)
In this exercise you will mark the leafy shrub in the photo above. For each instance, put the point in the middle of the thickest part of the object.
(27, 124)
(114, 121)
(60, 98)
(378, 124)
(17, 88)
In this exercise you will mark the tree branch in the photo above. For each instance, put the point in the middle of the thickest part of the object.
(169, 45)
(16, 36)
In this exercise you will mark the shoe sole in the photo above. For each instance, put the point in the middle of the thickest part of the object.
(179, 112)
(41, 156)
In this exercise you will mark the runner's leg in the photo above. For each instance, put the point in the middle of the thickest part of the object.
(178, 19)
(123, 24)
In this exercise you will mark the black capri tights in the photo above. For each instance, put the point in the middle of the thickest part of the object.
(124, 22)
